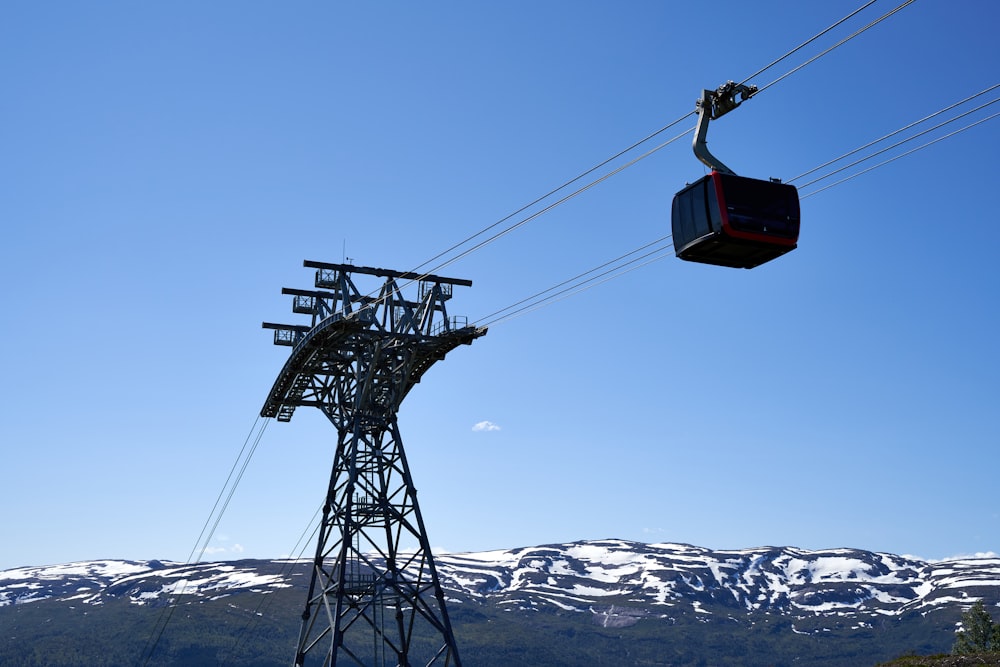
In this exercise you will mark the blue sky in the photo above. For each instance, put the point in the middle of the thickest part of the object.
(167, 167)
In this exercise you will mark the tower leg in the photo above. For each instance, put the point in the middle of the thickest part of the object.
(374, 597)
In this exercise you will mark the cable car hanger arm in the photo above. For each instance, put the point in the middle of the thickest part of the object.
(714, 104)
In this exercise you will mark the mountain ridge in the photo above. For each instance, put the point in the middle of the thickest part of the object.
(611, 601)
(783, 579)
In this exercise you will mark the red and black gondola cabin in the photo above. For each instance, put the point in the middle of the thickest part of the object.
(730, 220)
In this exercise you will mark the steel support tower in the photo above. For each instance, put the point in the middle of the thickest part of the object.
(374, 597)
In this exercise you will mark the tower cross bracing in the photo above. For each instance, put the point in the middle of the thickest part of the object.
(373, 598)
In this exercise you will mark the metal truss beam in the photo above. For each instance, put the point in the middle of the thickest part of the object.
(374, 596)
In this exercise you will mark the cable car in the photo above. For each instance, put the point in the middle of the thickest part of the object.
(731, 220)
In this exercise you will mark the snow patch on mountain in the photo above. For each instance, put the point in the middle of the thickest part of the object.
(616, 581)
(785, 580)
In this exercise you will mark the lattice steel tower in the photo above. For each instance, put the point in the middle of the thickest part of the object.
(372, 598)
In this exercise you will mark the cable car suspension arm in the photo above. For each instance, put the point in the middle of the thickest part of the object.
(714, 104)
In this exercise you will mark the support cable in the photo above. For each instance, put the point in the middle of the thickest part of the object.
(163, 619)
(549, 194)
(644, 140)
(573, 194)
(535, 301)
(894, 158)
(494, 316)
(894, 133)
(650, 257)
(896, 145)
(808, 41)
(835, 46)
(221, 492)
(232, 489)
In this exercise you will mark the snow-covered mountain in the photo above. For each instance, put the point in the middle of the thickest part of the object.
(140, 582)
(671, 579)
(603, 603)
(614, 581)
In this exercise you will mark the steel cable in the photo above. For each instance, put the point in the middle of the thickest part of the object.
(493, 317)
(639, 143)
(809, 41)
(896, 157)
(573, 194)
(534, 302)
(585, 285)
(835, 46)
(163, 619)
(550, 193)
(570, 280)
(894, 133)
(897, 144)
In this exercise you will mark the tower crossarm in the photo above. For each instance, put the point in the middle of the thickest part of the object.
(386, 273)
(331, 349)
(348, 325)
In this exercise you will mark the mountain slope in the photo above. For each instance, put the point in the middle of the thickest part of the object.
(665, 578)
(594, 602)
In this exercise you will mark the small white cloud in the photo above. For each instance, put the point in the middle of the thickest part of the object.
(486, 426)
(224, 549)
